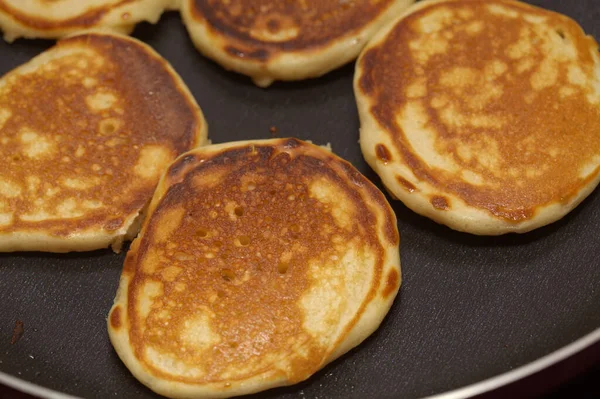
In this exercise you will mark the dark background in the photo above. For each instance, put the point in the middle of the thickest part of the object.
(470, 307)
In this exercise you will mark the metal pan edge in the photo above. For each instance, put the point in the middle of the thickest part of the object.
(478, 388)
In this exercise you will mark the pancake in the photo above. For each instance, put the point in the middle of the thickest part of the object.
(482, 115)
(259, 263)
(272, 40)
(86, 130)
(51, 19)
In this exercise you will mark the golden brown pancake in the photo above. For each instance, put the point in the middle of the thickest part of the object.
(86, 130)
(272, 40)
(482, 115)
(52, 19)
(259, 263)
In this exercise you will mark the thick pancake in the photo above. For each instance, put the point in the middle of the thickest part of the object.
(86, 130)
(282, 40)
(482, 115)
(52, 19)
(260, 262)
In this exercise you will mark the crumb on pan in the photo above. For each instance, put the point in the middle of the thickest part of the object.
(17, 332)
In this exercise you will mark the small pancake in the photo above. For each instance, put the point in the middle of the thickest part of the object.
(272, 40)
(86, 130)
(482, 115)
(51, 19)
(259, 263)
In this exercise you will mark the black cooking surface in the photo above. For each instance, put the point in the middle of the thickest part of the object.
(469, 308)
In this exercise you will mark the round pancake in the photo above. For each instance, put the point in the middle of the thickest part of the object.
(260, 262)
(482, 115)
(272, 40)
(86, 130)
(52, 19)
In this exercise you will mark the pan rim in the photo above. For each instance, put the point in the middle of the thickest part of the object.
(524, 371)
(31, 388)
(468, 391)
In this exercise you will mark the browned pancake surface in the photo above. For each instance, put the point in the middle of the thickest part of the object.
(515, 113)
(87, 20)
(84, 137)
(259, 29)
(230, 246)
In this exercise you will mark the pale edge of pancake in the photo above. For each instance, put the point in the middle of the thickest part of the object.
(462, 217)
(373, 315)
(286, 66)
(94, 239)
(135, 12)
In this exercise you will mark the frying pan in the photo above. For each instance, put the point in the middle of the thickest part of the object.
(470, 308)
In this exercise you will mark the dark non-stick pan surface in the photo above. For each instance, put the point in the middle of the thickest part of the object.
(470, 307)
